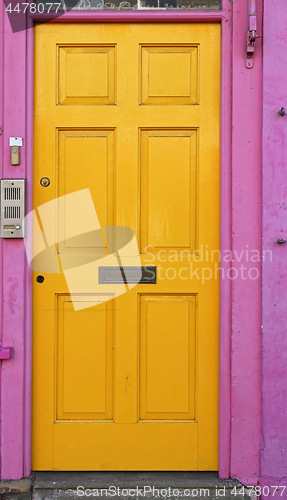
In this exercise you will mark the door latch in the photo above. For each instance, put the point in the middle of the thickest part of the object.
(251, 33)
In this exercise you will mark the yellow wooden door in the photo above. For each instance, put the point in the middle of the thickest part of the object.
(130, 112)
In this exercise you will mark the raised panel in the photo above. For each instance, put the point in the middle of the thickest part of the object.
(168, 189)
(84, 359)
(169, 74)
(86, 159)
(86, 74)
(167, 357)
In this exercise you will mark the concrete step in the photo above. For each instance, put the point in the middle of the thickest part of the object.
(17, 490)
(123, 486)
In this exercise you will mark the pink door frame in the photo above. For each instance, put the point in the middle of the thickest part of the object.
(239, 419)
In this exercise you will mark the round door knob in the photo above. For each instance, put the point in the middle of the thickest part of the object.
(45, 182)
(40, 279)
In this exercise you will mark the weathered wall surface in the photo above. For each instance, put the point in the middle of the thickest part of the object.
(246, 223)
(274, 226)
(246, 238)
(13, 394)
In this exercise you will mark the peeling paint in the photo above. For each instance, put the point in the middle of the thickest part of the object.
(12, 295)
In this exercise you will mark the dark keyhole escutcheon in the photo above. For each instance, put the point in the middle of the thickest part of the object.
(40, 279)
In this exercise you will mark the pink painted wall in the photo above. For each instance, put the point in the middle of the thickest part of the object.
(246, 231)
(240, 299)
(274, 226)
(13, 373)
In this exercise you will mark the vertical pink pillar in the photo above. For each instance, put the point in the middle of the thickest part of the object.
(13, 303)
(246, 230)
(225, 244)
(274, 294)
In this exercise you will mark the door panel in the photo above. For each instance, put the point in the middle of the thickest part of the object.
(167, 361)
(77, 399)
(131, 112)
(175, 201)
(86, 61)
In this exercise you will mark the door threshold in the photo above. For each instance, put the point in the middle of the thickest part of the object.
(50, 485)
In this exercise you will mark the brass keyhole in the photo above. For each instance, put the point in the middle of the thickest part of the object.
(45, 182)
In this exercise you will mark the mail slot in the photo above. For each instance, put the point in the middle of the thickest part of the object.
(127, 274)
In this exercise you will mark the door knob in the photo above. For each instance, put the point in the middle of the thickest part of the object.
(45, 181)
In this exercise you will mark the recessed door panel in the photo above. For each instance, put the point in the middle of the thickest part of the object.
(76, 366)
(169, 74)
(168, 189)
(167, 357)
(86, 74)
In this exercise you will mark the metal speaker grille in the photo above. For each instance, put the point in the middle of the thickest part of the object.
(12, 193)
(12, 212)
